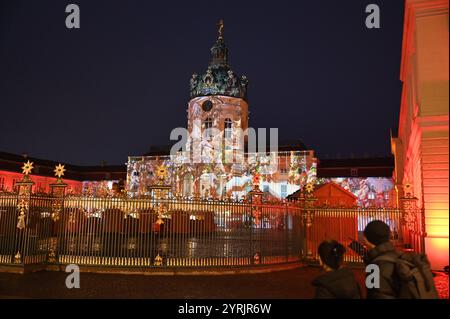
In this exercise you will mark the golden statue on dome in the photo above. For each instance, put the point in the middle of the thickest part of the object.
(220, 27)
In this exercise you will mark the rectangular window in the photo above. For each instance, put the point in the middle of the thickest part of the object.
(265, 188)
(208, 126)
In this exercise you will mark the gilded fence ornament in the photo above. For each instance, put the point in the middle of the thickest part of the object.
(256, 181)
(22, 207)
(161, 211)
(56, 209)
(51, 257)
(409, 207)
(309, 188)
(162, 173)
(27, 168)
(59, 171)
(25, 184)
(158, 260)
(256, 259)
(18, 258)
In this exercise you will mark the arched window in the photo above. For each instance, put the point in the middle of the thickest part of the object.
(208, 123)
(228, 128)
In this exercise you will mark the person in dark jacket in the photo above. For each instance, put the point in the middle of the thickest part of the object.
(377, 240)
(337, 282)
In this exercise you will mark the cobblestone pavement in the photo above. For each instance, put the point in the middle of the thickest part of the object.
(287, 284)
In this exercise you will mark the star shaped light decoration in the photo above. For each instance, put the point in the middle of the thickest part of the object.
(161, 172)
(27, 167)
(59, 170)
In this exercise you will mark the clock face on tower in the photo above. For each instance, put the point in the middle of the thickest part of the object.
(207, 106)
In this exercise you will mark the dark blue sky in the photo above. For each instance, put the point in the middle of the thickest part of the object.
(121, 82)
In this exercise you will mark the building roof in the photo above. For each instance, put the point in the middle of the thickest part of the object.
(331, 190)
(219, 78)
(14, 162)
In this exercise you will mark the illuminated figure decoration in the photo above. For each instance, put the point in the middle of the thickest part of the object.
(221, 169)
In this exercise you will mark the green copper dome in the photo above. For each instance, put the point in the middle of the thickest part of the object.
(219, 79)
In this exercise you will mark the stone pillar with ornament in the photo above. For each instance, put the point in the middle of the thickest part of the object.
(57, 191)
(25, 187)
(307, 200)
(160, 193)
(256, 201)
(413, 230)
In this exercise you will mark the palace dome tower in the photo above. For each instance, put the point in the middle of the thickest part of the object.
(218, 96)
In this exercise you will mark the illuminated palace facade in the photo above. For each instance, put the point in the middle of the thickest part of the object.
(219, 104)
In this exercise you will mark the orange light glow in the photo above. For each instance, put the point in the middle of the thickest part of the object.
(41, 183)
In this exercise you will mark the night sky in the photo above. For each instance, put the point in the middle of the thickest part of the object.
(121, 82)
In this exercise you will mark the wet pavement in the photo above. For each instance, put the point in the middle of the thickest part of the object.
(289, 284)
(281, 284)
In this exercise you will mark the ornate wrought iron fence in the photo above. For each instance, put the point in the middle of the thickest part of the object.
(174, 232)
(25, 229)
(161, 232)
(345, 225)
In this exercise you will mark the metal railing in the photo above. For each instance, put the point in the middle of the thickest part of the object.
(181, 233)
(346, 225)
